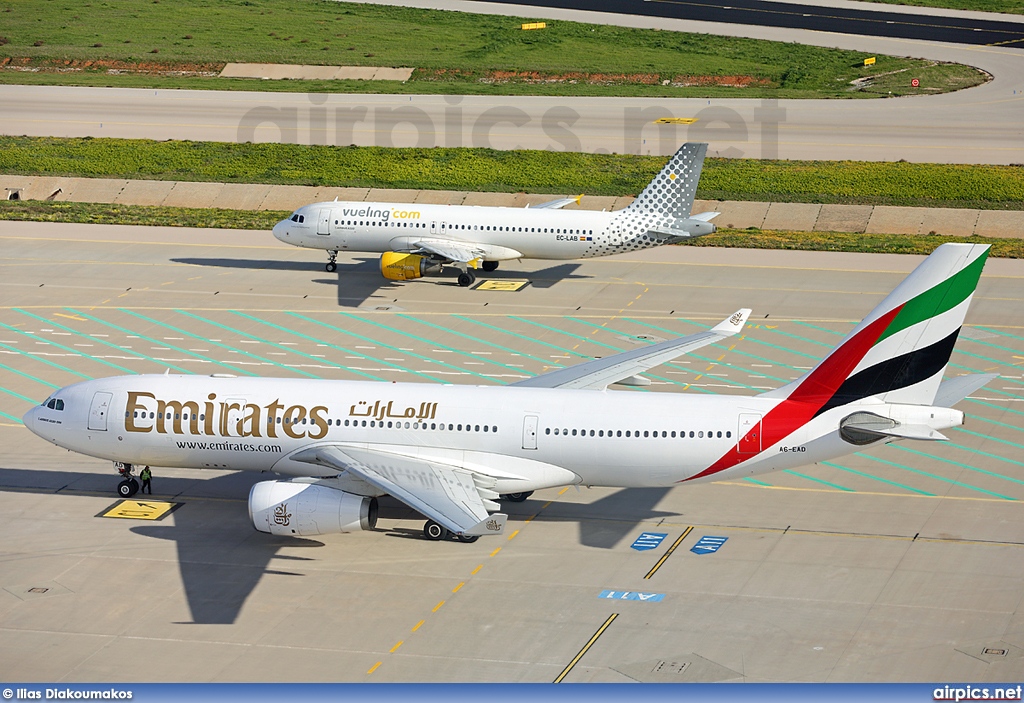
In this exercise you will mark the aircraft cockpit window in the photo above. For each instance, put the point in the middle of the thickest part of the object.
(55, 404)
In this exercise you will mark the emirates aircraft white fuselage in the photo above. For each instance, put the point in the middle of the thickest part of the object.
(451, 452)
(526, 438)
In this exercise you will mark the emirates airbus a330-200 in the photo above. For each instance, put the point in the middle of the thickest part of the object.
(417, 240)
(454, 452)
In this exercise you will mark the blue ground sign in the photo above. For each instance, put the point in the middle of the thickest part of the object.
(648, 540)
(708, 545)
(632, 595)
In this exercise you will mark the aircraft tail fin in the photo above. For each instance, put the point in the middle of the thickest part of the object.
(899, 352)
(672, 191)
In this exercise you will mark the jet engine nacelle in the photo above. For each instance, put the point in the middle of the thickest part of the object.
(303, 509)
(396, 266)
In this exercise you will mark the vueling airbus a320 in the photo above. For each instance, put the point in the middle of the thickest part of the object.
(453, 452)
(420, 240)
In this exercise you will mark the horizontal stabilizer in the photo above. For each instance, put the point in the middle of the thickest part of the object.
(686, 229)
(922, 432)
(705, 216)
(876, 426)
(953, 390)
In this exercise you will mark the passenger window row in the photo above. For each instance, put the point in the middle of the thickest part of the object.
(488, 228)
(451, 427)
(693, 434)
(391, 424)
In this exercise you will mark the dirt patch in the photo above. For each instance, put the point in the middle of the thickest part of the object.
(111, 66)
(540, 77)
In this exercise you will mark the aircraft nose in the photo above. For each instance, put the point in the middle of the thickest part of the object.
(31, 419)
(281, 230)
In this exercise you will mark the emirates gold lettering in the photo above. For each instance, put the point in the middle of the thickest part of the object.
(137, 411)
(316, 417)
(208, 422)
(228, 418)
(292, 417)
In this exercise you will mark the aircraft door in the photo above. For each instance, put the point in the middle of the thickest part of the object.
(323, 222)
(749, 434)
(530, 432)
(99, 410)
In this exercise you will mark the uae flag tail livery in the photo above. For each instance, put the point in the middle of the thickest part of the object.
(885, 379)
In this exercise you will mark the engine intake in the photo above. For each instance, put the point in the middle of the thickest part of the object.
(396, 266)
(304, 509)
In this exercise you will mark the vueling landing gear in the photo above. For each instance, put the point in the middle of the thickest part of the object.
(128, 486)
(332, 255)
(489, 266)
(467, 278)
(515, 497)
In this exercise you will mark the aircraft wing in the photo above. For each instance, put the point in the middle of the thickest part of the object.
(557, 204)
(446, 494)
(465, 252)
(624, 367)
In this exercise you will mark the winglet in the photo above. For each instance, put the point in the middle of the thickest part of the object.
(734, 324)
(578, 198)
(493, 524)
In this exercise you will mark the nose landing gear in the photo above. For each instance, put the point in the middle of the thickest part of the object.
(128, 486)
(332, 255)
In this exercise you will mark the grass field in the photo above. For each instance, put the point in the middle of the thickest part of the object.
(875, 183)
(1015, 7)
(459, 52)
(98, 213)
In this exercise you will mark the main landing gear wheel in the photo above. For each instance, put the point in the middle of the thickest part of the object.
(468, 539)
(515, 497)
(490, 266)
(128, 488)
(433, 531)
(331, 266)
(466, 279)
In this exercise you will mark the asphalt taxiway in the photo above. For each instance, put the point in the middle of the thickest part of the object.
(899, 563)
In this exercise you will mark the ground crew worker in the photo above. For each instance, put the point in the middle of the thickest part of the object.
(146, 475)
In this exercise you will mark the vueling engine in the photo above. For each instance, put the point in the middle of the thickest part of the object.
(303, 509)
(404, 267)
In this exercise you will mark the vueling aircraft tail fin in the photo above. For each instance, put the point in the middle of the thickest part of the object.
(672, 191)
(899, 352)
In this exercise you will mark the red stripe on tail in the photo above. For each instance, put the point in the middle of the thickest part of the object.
(814, 391)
